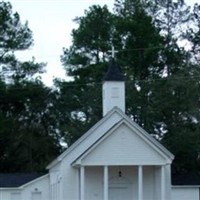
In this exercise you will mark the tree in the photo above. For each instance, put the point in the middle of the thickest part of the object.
(90, 45)
(13, 36)
(165, 103)
(193, 34)
(140, 41)
(28, 135)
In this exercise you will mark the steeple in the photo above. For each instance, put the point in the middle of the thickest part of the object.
(113, 88)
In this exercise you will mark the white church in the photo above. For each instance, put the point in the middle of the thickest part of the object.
(114, 160)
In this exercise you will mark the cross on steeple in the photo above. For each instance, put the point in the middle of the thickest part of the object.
(113, 51)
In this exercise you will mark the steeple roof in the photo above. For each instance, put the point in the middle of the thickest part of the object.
(113, 73)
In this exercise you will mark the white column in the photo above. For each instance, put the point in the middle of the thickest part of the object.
(140, 183)
(82, 182)
(162, 182)
(105, 186)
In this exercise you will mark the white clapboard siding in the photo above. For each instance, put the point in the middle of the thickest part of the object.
(123, 147)
(185, 193)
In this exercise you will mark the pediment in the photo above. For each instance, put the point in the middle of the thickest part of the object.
(123, 145)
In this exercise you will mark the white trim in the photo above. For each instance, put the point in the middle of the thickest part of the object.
(185, 186)
(10, 188)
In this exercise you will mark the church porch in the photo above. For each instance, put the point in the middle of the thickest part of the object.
(122, 182)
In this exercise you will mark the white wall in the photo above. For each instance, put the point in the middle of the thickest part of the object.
(185, 193)
(70, 182)
(41, 185)
(5, 194)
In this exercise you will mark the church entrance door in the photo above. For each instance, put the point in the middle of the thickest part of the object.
(120, 189)
(119, 193)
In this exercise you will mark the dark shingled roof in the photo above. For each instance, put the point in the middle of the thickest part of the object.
(113, 73)
(17, 179)
(186, 179)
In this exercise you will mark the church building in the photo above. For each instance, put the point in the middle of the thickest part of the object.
(115, 159)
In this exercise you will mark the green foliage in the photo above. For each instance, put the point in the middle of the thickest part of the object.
(91, 40)
(13, 35)
(193, 34)
(28, 137)
(141, 42)
(79, 102)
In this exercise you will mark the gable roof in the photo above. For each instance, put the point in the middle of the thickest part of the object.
(154, 144)
(17, 179)
(122, 116)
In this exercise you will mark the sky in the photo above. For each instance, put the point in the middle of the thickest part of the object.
(51, 22)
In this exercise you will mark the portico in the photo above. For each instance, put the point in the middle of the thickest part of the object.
(129, 182)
